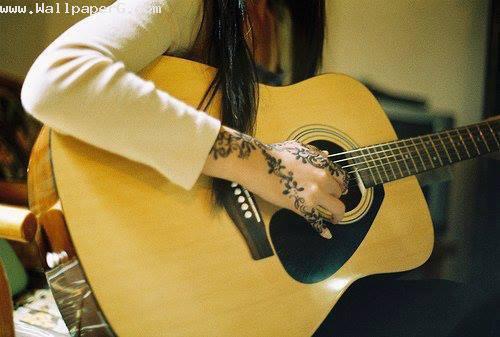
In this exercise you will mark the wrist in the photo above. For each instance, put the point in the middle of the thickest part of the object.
(234, 156)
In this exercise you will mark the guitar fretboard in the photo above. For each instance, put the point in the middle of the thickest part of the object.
(382, 163)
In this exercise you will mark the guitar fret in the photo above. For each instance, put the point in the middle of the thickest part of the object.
(418, 153)
(364, 171)
(473, 142)
(484, 139)
(370, 169)
(377, 165)
(381, 159)
(403, 158)
(396, 160)
(435, 150)
(482, 143)
(408, 154)
(427, 151)
(453, 143)
(493, 134)
(445, 148)
(462, 140)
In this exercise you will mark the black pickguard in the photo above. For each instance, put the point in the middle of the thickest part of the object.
(309, 258)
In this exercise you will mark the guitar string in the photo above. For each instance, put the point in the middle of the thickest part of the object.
(421, 145)
(391, 149)
(403, 159)
(412, 152)
(426, 163)
(407, 171)
(445, 134)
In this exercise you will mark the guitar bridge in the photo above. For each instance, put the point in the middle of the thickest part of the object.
(243, 211)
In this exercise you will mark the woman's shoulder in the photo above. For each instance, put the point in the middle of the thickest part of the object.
(171, 25)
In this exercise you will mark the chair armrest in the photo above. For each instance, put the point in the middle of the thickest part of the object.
(17, 223)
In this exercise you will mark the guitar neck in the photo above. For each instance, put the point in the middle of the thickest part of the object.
(382, 163)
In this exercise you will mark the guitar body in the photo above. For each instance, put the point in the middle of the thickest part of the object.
(162, 261)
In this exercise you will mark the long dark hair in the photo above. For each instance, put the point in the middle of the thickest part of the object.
(224, 23)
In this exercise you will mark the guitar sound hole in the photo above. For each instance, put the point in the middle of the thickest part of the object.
(353, 198)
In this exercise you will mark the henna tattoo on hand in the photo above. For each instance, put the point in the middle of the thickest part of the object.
(243, 145)
(292, 189)
(228, 143)
(309, 154)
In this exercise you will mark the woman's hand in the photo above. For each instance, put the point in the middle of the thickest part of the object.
(290, 175)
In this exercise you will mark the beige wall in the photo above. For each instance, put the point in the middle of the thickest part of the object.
(24, 36)
(430, 48)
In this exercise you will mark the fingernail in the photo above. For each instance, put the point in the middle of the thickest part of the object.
(326, 233)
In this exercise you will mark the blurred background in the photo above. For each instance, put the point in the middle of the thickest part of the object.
(433, 64)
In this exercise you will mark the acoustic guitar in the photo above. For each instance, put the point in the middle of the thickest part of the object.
(151, 259)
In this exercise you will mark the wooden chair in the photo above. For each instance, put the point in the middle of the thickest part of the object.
(6, 308)
(18, 224)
